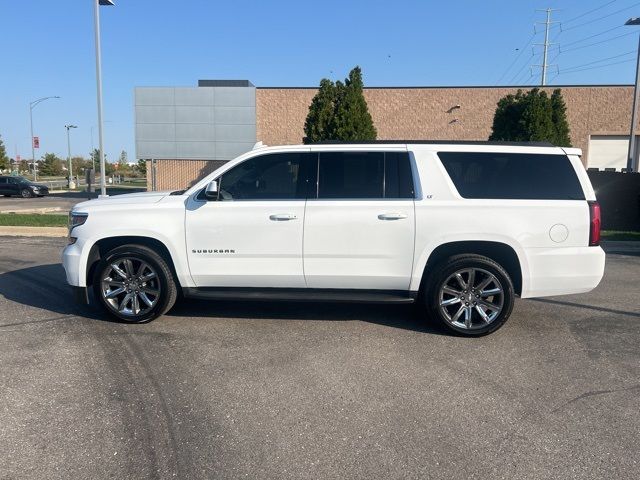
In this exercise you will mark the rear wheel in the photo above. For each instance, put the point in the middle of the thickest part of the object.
(134, 284)
(470, 295)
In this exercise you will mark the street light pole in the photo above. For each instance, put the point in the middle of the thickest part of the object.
(33, 105)
(97, 3)
(70, 163)
(631, 154)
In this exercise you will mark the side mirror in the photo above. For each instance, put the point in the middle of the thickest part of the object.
(211, 192)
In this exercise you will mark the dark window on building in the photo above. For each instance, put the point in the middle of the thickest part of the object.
(278, 176)
(512, 175)
(364, 175)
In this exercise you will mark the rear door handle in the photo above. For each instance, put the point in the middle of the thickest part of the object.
(282, 217)
(392, 216)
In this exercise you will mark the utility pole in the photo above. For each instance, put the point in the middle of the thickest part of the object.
(547, 25)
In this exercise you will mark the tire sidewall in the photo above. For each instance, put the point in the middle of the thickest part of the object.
(28, 194)
(158, 309)
(447, 268)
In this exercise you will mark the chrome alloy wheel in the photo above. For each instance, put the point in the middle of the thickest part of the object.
(130, 286)
(471, 298)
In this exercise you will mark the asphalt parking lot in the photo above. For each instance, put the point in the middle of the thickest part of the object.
(257, 390)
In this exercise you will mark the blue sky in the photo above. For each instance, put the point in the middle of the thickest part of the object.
(47, 48)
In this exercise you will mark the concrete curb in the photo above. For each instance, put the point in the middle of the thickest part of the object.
(36, 210)
(33, 231)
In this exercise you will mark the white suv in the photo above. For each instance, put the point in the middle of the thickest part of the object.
(460, 228)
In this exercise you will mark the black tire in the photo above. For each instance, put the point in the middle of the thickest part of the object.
(439, 285)
(7, 195)
(163, 282)
(26, 193)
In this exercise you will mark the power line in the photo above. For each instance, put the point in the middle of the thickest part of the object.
(592, 36)
(562, 72)
(600, 42)
(590, 11)
(517, 74)
(517, 57)
(601, 18)
(601, 60)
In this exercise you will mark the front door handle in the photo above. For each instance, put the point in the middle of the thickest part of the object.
(392, 216)
(282, 217)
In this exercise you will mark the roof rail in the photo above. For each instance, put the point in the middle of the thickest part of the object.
(434, 142)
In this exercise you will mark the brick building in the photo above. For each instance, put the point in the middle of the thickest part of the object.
(190, 131)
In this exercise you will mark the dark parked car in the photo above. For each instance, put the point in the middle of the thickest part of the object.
(10, 185)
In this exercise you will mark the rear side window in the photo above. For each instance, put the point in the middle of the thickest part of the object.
(364, 175)
(523, 176)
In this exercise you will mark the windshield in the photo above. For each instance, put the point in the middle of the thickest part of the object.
(20, 179)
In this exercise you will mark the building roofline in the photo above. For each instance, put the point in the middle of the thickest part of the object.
(436, 87)
(434, 142)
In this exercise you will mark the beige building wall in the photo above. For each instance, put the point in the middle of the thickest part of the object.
(428, 113)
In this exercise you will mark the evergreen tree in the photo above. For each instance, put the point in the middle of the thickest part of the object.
(123, 159)
(142, 166)
(4, 160)
(50, 165)
(352, 120)
(537, 117)
(531, 116)
(339, 111)
(560, 122)
(319, 118)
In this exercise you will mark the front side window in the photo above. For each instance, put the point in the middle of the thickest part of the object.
(276, 176)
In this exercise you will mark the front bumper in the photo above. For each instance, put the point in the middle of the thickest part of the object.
(71, 259)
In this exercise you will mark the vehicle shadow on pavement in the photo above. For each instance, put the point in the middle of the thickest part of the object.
(45, 287)
(405, 317)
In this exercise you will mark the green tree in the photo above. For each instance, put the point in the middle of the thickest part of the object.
(50, 165)
(339, 111)
(320, 116)
(4, 159)
(79, 165)
(560, 122)
(352, 120)
(141, 166)
(531, 116)
(95, 159)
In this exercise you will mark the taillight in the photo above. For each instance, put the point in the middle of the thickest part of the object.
(594, 224)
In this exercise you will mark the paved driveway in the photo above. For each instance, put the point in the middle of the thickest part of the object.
(269, 390)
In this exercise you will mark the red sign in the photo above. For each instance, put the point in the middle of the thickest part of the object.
(36, 142)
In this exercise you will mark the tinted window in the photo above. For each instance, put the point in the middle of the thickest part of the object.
(351, 175)
(267, 177)
(512, 175)
(398, 181)
(3, 180)
(364, 175)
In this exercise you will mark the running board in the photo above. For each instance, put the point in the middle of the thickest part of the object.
(302, 294)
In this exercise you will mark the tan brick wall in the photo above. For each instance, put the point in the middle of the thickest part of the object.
(179, 174)
(425, 113)
(415, 114)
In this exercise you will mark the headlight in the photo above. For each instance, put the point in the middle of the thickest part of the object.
(76, 219)
(33, 187)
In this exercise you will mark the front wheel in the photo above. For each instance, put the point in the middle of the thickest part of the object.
(134, 284)
(470, 295)
(26, 193)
